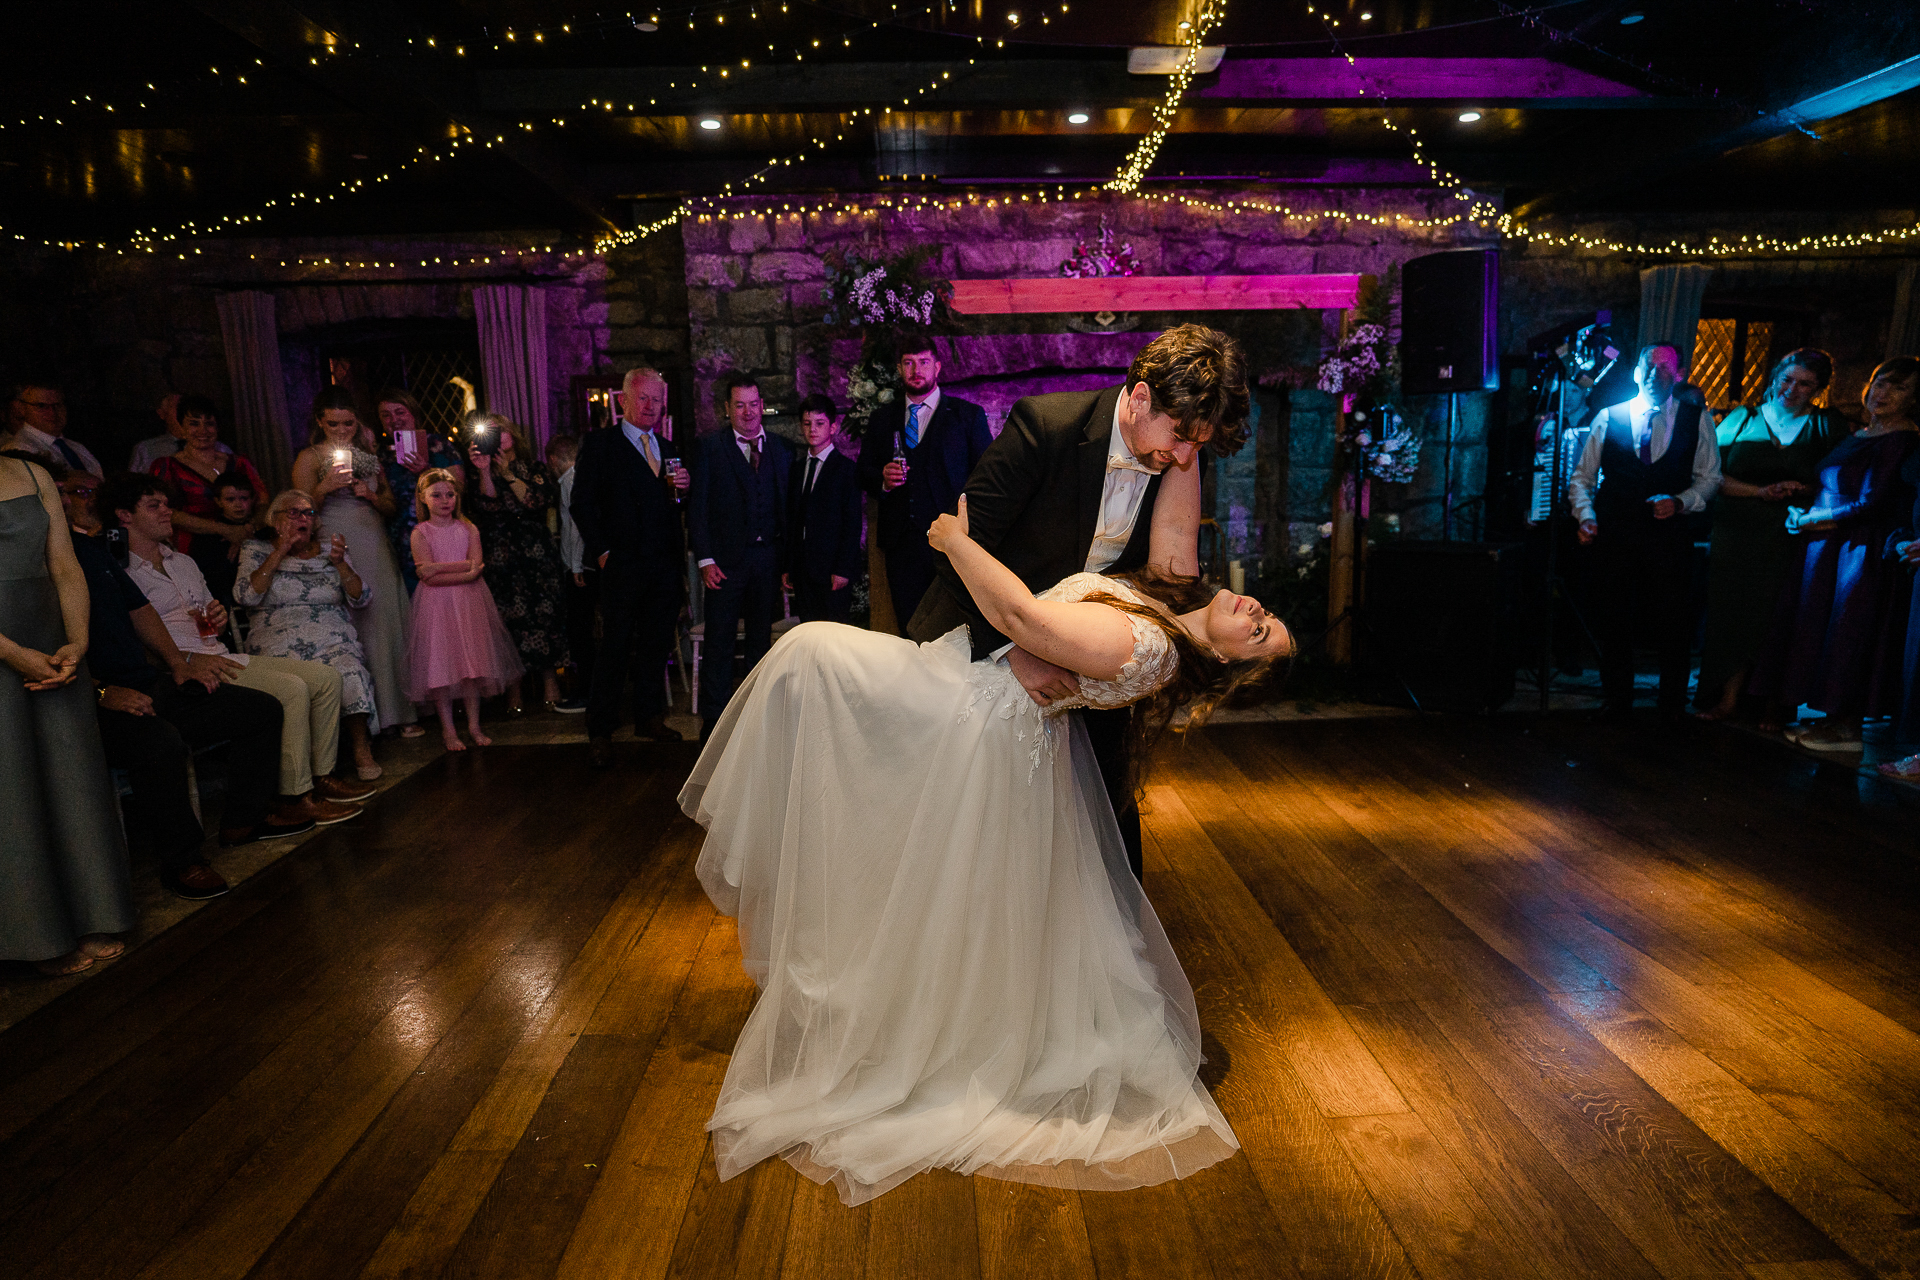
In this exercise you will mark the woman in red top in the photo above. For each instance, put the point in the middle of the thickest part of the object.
(192, 471)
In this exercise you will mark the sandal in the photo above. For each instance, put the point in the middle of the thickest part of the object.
(75, 961)
(412, 731)
(1907, 770)
(103, 946)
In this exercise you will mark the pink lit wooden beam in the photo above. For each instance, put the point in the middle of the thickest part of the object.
(1156, 293)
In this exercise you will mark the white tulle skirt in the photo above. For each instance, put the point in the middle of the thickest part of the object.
(956, 968)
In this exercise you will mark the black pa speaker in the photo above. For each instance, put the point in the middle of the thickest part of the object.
(1449, 322)
(1441, 624)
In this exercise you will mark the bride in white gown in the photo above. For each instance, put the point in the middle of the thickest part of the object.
(956, 968)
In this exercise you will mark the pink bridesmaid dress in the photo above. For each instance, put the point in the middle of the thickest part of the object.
(459, 645)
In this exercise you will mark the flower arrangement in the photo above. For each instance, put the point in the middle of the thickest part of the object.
(872, 382)
(885, 291)
(1086, 264)
(1390, 448)
(1366, 364)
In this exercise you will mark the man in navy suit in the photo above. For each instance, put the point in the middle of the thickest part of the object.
(737, 517)
(623, 505)
(823, 544)
(916, 457)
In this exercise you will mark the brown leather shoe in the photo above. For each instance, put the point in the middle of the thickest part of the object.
(277, 826)
(323, 813)
(197, 882)
(340, 791)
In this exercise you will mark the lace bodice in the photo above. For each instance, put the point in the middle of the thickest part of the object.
(995, 688)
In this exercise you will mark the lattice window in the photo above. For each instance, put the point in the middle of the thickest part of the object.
(429, 373)
(1730, 361)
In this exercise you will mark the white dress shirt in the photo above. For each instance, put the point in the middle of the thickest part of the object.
(1657, 423)
(34, 440)
(173, 585)
(646, 442)
(1121, 494)
(816, 463)
(928, 407)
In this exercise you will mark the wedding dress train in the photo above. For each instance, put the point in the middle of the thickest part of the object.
(956, 968)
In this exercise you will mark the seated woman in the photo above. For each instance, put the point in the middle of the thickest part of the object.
(193, 472)
(1837, 636)
(957, 967)
(298, 593)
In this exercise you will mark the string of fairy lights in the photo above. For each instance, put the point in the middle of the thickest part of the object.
(738, 199)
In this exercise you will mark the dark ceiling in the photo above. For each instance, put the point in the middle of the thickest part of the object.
(152, 114)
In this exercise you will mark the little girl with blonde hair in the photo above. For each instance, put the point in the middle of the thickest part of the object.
(460, 647)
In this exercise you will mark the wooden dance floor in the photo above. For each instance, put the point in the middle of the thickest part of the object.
(1480, 1000)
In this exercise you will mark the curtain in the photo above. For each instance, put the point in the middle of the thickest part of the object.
(1670, 305)
(261, 430)
(513, 355)
(1903, 335)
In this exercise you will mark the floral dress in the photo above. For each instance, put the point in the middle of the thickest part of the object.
(404, 483)
(523, 562)
(304, 615)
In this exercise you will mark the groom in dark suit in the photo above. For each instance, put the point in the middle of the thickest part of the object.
(916, 456)
(1071, 486)
(624, 506)
(737, 520)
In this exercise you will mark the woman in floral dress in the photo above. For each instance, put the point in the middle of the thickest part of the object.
(509, 493)
(297, 591)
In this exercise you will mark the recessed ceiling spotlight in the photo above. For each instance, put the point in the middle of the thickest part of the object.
(1468, 117)
(646, 26)
(1078, 117)
(1013, 16)
(1366, 17)
(1630, 19)
(1185, 25)
(709, 123)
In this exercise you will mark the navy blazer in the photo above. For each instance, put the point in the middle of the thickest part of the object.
(620, 506)
(955, 440)
(718, 506)
(825, 537)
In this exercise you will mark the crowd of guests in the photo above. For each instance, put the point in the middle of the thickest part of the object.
(178, 606)
(1815, 540)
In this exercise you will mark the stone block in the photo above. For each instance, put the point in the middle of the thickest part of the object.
(790, 231)
(748, 234)
(1183, 257)
(1012, 258)
(703, 305)
(1257, 259)
(712, 270)
(640, 338)
(757, 306)
(777, 391)
(747, 345)
(702, 237)
(1342, 259)
(775, 267)
(807, 300)
(783, 348)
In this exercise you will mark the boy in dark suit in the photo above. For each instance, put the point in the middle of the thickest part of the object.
(938, 439)
(823, 542)
(736, 519)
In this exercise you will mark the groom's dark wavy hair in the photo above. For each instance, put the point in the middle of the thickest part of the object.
(1204, 679)
(1198, 377)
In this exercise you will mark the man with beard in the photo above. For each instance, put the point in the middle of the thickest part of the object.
(915, 457)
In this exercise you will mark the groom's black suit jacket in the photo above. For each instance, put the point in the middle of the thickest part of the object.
(1033, 501)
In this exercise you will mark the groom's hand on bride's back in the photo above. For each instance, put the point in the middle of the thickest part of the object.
(1044, 682)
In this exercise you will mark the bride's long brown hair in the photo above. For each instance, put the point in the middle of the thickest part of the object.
(1204, 679)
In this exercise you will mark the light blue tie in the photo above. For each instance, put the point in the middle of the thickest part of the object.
(913, 424)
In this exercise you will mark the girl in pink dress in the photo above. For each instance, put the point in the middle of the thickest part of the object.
(459, 647)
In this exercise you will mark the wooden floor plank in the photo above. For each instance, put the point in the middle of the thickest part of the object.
(736, 1228)
(924, 1229)
(1030, 1232)
(825, 1239)
(634, 1210)
(1319, 1202)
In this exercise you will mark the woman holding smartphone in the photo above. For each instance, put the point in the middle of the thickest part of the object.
(417, 449)
(341, 468)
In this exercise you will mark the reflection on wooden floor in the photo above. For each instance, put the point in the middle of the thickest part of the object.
(1480, 1002)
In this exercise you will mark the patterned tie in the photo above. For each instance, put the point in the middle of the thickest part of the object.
(753, 453)
(813, 469)
(913, 424)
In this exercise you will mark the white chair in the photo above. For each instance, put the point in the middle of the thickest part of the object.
(697, 635)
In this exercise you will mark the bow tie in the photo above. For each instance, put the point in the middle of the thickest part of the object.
(1127, 462)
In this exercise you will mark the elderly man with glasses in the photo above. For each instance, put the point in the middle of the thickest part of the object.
(37, 417)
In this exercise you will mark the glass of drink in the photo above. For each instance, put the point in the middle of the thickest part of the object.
(203, 621)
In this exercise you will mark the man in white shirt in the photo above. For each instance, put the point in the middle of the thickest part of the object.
(1646, 463)
(38, 413)
(308, 692)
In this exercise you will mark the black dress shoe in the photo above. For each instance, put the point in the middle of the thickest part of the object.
(600, 751)
(656, 728)
(270, 829)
